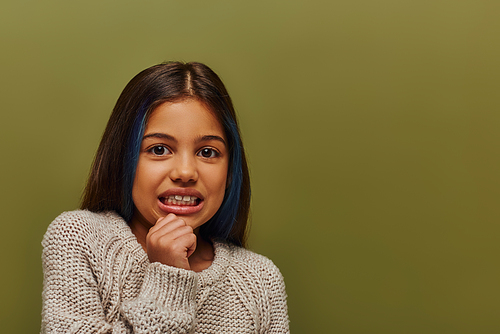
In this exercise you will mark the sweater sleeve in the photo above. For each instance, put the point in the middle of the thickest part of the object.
(278, 322)
(166, 303)
(73, 300)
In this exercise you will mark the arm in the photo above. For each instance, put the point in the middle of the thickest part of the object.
(72, 296)
(166, 303)
(278, 305)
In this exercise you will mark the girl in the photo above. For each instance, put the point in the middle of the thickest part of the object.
(158, 246)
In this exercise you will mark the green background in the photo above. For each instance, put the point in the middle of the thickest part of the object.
(372, 130)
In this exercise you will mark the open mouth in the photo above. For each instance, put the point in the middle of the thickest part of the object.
(182, 200)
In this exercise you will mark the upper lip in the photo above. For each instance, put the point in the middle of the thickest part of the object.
(181, 192)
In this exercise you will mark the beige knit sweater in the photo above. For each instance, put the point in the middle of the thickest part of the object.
(98, 279)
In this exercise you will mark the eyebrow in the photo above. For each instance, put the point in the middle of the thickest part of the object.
(212, 137)
(199, 139)
(159, 135)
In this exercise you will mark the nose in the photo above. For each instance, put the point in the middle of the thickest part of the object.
(184, 169)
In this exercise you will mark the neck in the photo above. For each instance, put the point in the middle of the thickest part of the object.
(203, 256)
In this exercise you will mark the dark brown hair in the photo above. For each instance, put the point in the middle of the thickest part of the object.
(109, 186)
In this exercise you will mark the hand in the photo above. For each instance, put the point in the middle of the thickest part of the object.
(171, 241)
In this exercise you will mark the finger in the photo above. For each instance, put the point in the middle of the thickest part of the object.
(166, 219)
(162, 221)
(170, 251)
(172, 239)
(188, 241)
(167, 228)
(176, 233)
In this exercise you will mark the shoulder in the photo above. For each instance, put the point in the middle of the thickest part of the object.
(80, 227)
(256, 264)
(259, 282)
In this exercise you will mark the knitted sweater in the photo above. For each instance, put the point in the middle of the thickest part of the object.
(98, 279)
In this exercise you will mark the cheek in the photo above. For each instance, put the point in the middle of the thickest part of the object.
(144, 180)
(137, 191)
(223, 183)
(216, 178)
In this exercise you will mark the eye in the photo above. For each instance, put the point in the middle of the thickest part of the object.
(208, 153)
(159, 150)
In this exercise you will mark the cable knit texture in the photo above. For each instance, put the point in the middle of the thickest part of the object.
(98, 279)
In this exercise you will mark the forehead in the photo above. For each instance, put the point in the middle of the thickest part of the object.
(186, 117)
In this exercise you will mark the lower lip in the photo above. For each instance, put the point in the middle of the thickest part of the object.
(180, 209)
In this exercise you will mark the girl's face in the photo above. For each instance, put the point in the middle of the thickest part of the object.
(182, 166)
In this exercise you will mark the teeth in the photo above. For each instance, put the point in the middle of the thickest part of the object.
(181, 200)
